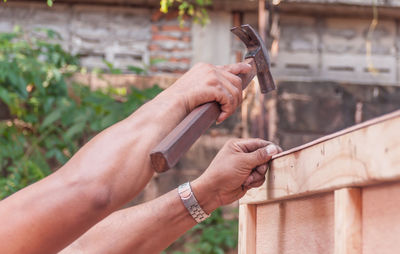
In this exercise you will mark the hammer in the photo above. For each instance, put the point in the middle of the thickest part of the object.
(167, 153)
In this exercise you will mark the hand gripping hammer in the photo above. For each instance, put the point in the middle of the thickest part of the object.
(167, 153)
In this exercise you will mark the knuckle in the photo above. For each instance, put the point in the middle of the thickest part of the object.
(232, 141)
(212, 80)
(228, 67)
(231, 99)
(213, 73)
(261, 154)
(262, 141)
(237, 81)
(209, 67)
(199, 65)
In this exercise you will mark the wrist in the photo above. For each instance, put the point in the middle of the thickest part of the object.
(176, 99)
(206, 195)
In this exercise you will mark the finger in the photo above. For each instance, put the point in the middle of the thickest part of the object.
(237, 68)
(233, 90)
(234, 79)
(255, 176)
(225, 99)
(256, 184)
(228, 103)
(262, 169)
(261, 155)
(251, 144)
(236, 84)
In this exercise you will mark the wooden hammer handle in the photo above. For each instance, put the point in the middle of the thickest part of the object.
(167, 153)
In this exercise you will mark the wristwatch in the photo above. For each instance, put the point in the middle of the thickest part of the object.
(190, 202)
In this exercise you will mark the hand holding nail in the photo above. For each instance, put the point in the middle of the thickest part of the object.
(257, 176)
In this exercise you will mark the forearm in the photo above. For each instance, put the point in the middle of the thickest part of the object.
(107, 172)
(110, 169)
(120, 154)
(146, 228)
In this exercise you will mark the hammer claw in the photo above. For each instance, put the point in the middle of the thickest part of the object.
(254, 40)
(256, 50)
(243, 36)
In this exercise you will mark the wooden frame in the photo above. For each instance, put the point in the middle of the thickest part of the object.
(332, 180)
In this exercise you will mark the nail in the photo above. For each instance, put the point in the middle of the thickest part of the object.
(271, 150)
(248, 65)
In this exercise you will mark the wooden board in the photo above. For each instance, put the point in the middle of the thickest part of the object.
(348, 221)
(296, 226)
(381, 219)
(364, 154)
(310, 204)
(247, 229)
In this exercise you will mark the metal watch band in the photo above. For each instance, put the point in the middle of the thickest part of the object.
(190, 202)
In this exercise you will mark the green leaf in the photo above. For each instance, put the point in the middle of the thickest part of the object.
(52, 117)
(74, 129)
(136, 70)
(154, 61)
(111, 67)
(5, 96)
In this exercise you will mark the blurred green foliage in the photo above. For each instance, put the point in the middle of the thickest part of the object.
(47, 120)
(215, 235)
(196, 9)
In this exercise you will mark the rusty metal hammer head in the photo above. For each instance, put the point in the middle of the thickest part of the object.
(257, 51)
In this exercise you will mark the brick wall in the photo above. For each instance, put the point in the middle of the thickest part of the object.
(170, 41)
(121, 35)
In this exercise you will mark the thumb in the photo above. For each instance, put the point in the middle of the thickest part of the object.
(237, 68)
(262, 155)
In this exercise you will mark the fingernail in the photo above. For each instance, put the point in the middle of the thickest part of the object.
(271, 150)
(248, 65)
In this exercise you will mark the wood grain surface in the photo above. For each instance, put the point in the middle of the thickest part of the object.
(362, 155)
(381, 219)
(296, 226)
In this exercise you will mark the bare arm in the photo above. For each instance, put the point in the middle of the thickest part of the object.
(109, 170)
(153, 226)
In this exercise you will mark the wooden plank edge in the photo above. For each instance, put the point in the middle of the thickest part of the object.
(353, 128)
(264, 200)
(335, 163)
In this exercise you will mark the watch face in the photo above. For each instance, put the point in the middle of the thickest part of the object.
(185, 194)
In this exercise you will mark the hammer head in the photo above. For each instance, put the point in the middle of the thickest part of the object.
(258, 51)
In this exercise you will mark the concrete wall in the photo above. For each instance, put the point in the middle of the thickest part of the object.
(309, 110)
(212, 43)
(335, 49)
